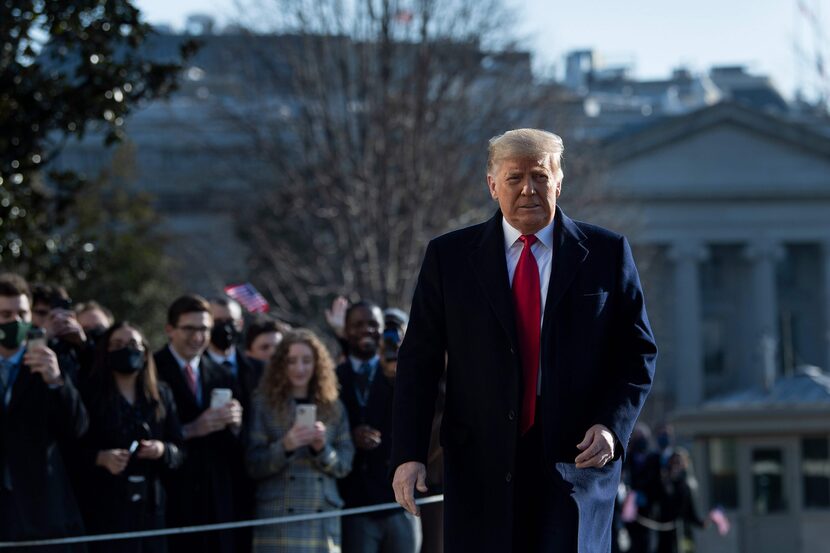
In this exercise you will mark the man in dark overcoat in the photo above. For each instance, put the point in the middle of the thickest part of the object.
(541, 326)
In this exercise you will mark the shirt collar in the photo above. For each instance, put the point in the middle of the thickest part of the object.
(230, 358)
(357, 363)
(16, 358)
(512, 234)
(194, 363)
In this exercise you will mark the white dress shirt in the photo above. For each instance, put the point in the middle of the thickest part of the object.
(543, 252)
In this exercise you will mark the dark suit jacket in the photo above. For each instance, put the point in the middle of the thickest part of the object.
(31, 426)
(368, 482)
(598, 357)
(202, 490)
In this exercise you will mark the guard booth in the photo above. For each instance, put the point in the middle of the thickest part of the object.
(763, 455)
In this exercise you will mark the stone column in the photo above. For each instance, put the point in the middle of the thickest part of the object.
(764, 254)
(687, 256)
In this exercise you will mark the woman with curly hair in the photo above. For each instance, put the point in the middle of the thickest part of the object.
(295, 466)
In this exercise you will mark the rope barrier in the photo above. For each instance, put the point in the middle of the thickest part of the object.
(218, 526)
(657, 526)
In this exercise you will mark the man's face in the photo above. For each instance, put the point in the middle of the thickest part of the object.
(191, 334)
(92, 319)
(14, 307)
(526, 192)
(40, 314)
(222, 314)
(363, 331)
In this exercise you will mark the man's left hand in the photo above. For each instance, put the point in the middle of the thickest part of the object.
(597, 447)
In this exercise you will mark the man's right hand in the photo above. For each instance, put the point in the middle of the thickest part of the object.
(336, 316)
(211, 420)
(408, 476)
(366, 438)
(114, 460)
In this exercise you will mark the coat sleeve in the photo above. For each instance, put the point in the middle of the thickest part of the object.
(264, 457)
(68, 416)
(421, 362)
(173, 439)
(634, 352)
(336, 457)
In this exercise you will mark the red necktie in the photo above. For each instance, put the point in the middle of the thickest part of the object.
(191, 380)
(527, 299)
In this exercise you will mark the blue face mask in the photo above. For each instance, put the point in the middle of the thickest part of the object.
(13, 334)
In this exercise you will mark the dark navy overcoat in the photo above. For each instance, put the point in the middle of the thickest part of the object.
(598, 356)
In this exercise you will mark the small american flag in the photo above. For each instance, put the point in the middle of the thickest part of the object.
(248, 296)
(720, 519)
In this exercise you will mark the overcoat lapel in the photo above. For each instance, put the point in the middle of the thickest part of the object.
(21, 383)
(568, 254)
(490, 268)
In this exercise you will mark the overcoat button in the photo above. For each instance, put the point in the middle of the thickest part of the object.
(511, 415)
(508, 477)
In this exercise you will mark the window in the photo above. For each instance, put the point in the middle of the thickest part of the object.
(768, 481)
(723, 471)
(815, 472)
(714, 350)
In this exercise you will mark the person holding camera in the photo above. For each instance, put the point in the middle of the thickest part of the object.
(367, 384)
(134, 437)
(38, 407)
(203, 491)
(299, 444)
(52, 311)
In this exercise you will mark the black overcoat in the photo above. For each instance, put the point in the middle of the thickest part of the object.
(32, 425)
(597, 362)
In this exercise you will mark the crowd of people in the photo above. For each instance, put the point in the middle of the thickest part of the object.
(656, 509)
(227, 421)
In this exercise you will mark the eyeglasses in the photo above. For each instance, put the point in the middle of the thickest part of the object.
(191, 330)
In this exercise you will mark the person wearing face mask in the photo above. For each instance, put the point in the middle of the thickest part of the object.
(94, 318)
(39, 407)
(223, 350)
(134, 438)
(293, 463)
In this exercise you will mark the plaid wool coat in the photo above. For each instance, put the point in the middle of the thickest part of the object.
(297, 484)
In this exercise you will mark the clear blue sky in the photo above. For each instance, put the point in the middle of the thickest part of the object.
(657, 35)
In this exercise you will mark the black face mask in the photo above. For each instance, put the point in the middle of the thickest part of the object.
(126, 360)
(13, 334)
(223, 335)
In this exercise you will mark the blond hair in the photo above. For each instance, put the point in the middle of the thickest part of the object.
(527, 144)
